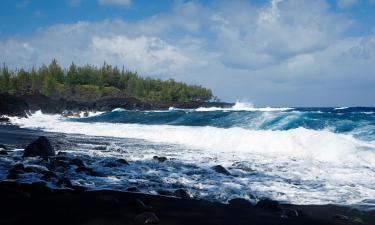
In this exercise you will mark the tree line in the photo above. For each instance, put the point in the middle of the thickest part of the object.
(52, 79)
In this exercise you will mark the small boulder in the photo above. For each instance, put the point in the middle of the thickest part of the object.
(146, 218)
(221, 169)
(122, 161)
(85, 114)
(160, 158)
(88, 171)
(3, 150)
(40, 147)
(268, 204)
(3, 147)
(4, 119)
(67, 113)
(60, 153)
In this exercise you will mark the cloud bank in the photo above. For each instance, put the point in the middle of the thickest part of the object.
(282, 53)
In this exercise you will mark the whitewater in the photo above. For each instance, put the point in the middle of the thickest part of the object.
(296, 155)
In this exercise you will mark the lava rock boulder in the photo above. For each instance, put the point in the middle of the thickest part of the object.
(221, 169)
(40, 147)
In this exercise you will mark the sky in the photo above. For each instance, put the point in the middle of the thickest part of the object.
(267, 52)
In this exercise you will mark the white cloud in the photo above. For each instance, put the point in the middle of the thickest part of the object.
(347, 3)
(115, 2)
(290, 52)
(147, 54)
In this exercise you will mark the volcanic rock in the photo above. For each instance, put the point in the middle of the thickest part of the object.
(40, 147)
(221, 169)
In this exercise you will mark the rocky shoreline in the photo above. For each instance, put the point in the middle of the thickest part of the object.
(55, 199)
(20, 104)
(37, 204)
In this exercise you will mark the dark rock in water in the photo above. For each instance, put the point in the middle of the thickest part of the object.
(4, 119)
(181, 193)
(58, 161)
(146, 218)
(40, 147)
(100, 147)
(3, 147)
(240, 202)
(3, 152)
(85, 114)
(122, 161)
(221, 169)
(67, 113)
(160, 158)
(88, 171)
(118, 162)
(61, 153)
(132, 189)
(268, 204)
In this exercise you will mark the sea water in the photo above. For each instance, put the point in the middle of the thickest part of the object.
(296, 155)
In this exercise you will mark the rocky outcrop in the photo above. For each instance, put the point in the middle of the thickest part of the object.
(160, 158)
(20, 103)
(40, 147)
(12, 105)
(221, 169)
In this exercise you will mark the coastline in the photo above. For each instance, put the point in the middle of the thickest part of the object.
(22, 103)
(38, 203)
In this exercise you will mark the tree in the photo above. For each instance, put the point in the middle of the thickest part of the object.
(56, 72)
(72, 77)
(49, 86)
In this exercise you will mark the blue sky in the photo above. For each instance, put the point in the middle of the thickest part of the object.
(269, 52)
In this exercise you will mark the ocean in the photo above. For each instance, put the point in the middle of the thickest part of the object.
(294, 155)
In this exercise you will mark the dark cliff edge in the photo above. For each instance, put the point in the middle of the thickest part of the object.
(20, 104)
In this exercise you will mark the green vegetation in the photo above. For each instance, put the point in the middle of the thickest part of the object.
(97, 82)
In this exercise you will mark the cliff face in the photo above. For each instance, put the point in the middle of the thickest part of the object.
(20, 103)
